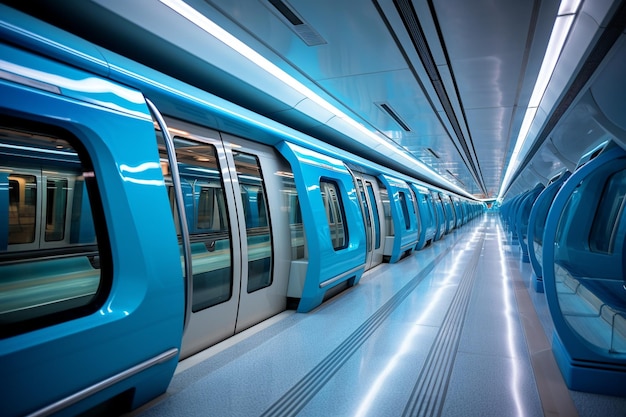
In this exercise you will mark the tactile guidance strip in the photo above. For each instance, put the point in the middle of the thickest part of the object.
(430, 389)
(302, 392)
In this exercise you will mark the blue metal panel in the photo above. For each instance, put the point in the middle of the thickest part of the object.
(448, 211)
(405, 223)
(426, 212)
(536, 226)
(522, 219)
(585, 285)
(441, 217)
(327, 267)
(147, 285)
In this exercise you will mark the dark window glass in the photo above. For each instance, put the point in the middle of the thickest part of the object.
(334, 213)
(258, 231)
(405, 209)
(42, 284)
(56, 207)
(207, 219)
(22, 208)
(370, 191)
(296, 228)
(610, 210)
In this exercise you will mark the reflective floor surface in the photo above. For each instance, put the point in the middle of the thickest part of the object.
(453, 330)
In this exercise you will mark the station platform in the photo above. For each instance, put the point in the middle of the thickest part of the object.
(453, 330)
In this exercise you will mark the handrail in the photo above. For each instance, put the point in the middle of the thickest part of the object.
(180, 202)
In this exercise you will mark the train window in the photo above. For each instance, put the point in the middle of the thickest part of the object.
(370, 192)
(49, 258)
(334, 213)
(207, 219)
(296, 228)
(22, 207)
(405, 209)
(384, 198)
(366, 214)
(258, 231)
(610, 210)
(56, 190)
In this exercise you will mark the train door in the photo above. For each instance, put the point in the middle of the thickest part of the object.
(231, 203)
(372, 208)
(258, 177)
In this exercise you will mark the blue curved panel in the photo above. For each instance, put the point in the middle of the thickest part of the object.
(426, 213)
(583, 261)
(440, 215)
(146, 282)
(404, 218)
(327, 267)
(536, 226)
(522, 218)
(448, 211)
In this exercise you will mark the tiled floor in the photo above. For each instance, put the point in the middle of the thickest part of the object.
(438, 333)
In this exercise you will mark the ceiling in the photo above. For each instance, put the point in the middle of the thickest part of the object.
(447, 81)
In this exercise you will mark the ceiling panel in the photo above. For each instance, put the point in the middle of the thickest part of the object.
(460, 92)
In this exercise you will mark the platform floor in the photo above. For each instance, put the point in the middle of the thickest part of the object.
(453, 330)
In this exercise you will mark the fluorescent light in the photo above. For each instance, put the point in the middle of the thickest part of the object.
(232, 42)
(562, 25)
(559, 34)
(568, 7)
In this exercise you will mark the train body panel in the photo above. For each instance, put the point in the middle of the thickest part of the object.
(128, 291)
(402, 232)
(426, 211)
(536, 226)
(332, 222)
(523, 217)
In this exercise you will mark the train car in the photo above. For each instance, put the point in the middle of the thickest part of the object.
(143, 220)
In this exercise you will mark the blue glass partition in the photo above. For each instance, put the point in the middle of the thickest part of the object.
(536, 226)
(583, 258)
(522, 217)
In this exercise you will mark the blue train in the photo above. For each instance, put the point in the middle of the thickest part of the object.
(143, 220)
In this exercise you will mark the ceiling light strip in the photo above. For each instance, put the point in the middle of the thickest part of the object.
(223, 36)
(560, 31)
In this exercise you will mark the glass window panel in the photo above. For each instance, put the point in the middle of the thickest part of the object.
(384, 198)
(296, 228)
(370, 191)
(39, 287)
(334, 214)
(22, 208)
(258, 232)
(56, 207)
(405, 209)
(589, 283)
(606, 220)
(366, 214)
(207, 219)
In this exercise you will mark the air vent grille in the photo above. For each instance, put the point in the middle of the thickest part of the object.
(433, 152)
(455, 177)
(394, 115)
(295, 22)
